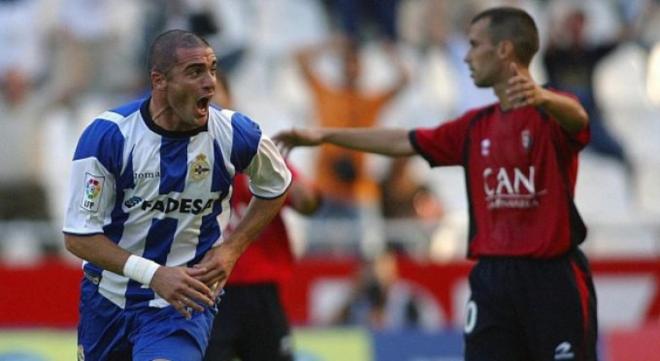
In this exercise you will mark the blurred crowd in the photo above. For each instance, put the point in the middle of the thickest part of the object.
(348, 63)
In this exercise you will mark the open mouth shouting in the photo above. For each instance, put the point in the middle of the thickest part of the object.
(202, 105)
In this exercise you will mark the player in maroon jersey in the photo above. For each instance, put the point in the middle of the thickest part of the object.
(251, 323)
(532, 297)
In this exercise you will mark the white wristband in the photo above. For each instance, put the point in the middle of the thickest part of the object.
(140, 269)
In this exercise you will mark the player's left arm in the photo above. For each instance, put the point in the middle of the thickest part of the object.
(269, 182)
(220, 260)
(568, 112)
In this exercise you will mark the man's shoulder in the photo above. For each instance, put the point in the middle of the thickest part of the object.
(121, 113)
(478, 113)
(221, 116)
(110, 125)
(129, 108)
(218, 114)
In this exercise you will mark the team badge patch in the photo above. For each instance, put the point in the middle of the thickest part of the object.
(199, 168)
(485, 147)
(92, 192)
(526, 139)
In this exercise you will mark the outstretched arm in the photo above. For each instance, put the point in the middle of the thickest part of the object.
(385, 141)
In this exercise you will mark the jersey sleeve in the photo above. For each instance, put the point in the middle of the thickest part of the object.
(442, 145)
(255, 155)
(96, 164)
(268, 173)
(245, 140)
(571, 142)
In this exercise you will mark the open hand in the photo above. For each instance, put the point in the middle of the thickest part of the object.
(287, 140)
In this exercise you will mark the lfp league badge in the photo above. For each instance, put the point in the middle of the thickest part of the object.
(93, 188)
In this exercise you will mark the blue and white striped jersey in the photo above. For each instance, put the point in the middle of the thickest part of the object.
(164, 195)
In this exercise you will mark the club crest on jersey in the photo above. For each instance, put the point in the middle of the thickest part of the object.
(526, 139)
(485, 147)
(199, 168)
(92, 192)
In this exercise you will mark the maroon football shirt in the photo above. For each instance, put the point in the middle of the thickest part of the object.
(520, 169)
(269, 257)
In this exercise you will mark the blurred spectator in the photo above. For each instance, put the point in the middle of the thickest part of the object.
(571, 63)
(340, 173)
(83, 46)
(381, 300)
(411, 210)
(21, 189)
(24, 212)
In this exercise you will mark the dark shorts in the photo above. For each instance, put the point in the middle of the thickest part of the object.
(251, 325)
(109, 333)
(525, 309)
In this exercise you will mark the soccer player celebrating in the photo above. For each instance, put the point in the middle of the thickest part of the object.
(532, 297)
(148, 182)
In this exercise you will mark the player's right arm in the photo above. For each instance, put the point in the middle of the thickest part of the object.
(385, 141)
(176, 285)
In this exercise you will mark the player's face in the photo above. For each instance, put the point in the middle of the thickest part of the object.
(191, 85)
(482, 59)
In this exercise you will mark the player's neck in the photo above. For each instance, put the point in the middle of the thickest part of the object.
(501, 86)
(164, 116)
(161, 114)
(500, 93)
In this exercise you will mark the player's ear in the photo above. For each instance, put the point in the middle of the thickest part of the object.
(158, 80)
(505, 49)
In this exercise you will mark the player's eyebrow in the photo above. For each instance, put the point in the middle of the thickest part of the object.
(194, 65)
(200, 64)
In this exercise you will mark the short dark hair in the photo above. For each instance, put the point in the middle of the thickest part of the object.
(162, 53)
(516, 25)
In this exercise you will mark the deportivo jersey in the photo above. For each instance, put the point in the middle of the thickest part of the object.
(269, 257)
(520, 169)
(158, 194)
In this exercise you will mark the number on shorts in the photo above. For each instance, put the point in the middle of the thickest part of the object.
(470, 316)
